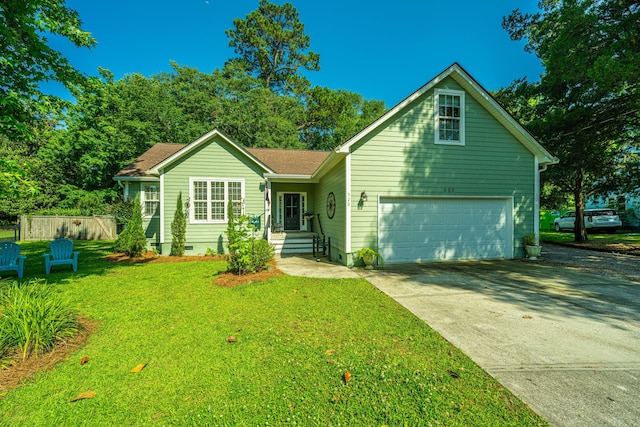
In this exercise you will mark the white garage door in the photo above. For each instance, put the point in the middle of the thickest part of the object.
(435, 229)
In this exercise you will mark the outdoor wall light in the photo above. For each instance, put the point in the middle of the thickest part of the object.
(363, 197)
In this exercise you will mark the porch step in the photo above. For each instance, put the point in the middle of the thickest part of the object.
(293, 243)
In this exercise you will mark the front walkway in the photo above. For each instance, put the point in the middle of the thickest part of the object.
(308, 266)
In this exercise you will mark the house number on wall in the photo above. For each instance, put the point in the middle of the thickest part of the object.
(449, 189)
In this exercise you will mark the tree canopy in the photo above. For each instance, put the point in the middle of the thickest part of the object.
(272, 46)
(259, 98)
(28, 60)
(586, 106)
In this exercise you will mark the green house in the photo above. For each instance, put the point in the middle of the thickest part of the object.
(447, 174)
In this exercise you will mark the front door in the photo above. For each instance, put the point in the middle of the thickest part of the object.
(292, 212)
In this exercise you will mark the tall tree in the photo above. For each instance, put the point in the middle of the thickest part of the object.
(272, 45)
(586, 107)
(333, 116)
(28, 60)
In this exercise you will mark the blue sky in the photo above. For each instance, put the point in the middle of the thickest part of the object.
(383, 50)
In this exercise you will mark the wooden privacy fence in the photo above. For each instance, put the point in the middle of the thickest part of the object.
(71, 227)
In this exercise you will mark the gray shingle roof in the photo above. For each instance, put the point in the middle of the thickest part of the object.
(290, 162)
(150, 158)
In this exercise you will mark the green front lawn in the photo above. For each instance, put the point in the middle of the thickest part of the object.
(296, 338)
(7, 234)
(596, 240)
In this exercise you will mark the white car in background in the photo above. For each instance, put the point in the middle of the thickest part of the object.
(594, 219)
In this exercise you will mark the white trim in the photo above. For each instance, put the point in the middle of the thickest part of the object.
(126, 191)
(267, 209)
(347, 248)
(162, 205)
(155, 170)
(536, 199)
(226, 182)
(464, 79)
(135, 178)
(436, 116)
(303, 206)
(509, 199)
(143, 200)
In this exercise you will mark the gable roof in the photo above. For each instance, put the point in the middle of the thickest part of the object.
(473, 88)
(148, 159)
(272, 160)
(290, 162)
(155, 170)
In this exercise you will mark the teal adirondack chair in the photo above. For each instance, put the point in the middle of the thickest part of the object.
(10, 259)
(61, 253)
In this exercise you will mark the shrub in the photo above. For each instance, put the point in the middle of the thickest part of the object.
(132, 241)
(530, 240)
(34, 317)
(246, 253)
(262, 252)
(178, 229)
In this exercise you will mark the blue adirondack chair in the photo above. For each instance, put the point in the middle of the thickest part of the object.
(10, 259)
(61, 253)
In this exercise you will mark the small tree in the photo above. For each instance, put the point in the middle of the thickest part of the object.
(238, 236)
(246, 253)
(132, 241)
(178, 229)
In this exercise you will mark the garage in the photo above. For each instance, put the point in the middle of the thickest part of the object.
(437, 229)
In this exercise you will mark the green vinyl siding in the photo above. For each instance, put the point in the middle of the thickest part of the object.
(150, 225)
(400, 158)
(334, 181)
(213, 159)
(280, 188)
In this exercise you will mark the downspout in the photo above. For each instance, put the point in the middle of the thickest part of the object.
(536, 199)
(162, 233)
(267, 209)
(347, 246)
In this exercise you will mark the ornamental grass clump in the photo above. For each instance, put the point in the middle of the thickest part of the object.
(33, 318)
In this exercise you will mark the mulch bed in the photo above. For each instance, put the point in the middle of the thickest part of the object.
(150, 257)
(20, 370)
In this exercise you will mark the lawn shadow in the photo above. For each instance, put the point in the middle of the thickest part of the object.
(539, 288)
(91, 261)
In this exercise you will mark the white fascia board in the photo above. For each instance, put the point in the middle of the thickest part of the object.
(136, 178)
(204, 138)
(345, 148)
(523, 135)
(278, 177)
(475, 90)
(331, 160)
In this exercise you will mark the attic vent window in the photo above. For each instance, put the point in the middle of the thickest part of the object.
(449, 117)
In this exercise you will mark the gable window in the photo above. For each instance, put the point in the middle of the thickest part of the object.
(210, 199)
(449, 116)
(150, 200)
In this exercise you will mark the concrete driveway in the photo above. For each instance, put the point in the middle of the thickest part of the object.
(566, 342)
